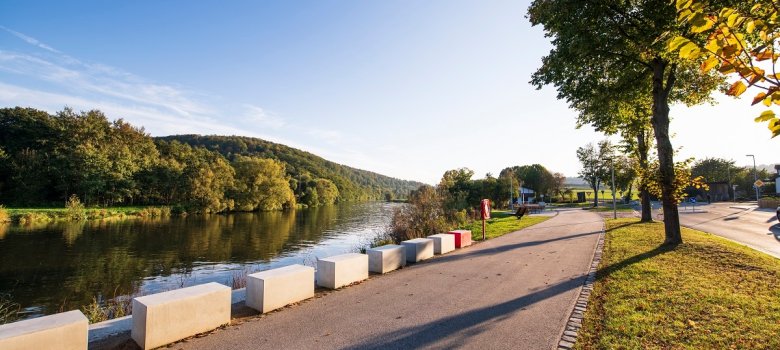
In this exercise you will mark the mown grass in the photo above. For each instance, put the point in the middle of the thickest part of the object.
(707, 293)
(501, 223)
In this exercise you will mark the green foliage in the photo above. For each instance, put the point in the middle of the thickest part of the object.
(45, 158)
(595, 165)
(75, 210)
(714, 169)
(425, 215)
(261, 184)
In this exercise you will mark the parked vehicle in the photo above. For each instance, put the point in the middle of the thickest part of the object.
(778, 213)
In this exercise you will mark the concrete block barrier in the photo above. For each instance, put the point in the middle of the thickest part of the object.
(67, 331)
(418, 249)
(443, 243)
(340, 270)
(164, 318)
(386, 258)
(462, 238)
(276, 288)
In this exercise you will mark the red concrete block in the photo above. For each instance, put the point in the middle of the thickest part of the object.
(462, 238)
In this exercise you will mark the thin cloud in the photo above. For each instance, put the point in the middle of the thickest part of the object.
(30, 40)
(258, 116)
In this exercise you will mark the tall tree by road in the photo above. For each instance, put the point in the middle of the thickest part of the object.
(622, 43)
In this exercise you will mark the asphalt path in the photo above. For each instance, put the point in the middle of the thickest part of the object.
(742, 223)
(511, 292)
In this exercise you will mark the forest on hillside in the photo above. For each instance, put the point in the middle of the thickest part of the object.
(47, 158)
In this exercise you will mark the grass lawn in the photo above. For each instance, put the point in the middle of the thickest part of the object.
(501, 223)
(707, 293)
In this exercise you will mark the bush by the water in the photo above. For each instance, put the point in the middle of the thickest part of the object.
(425, 215)
(4, 216)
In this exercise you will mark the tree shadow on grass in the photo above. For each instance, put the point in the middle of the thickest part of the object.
(454, 330)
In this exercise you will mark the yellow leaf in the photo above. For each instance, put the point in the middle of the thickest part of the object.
(690, 50)
(760, 97)
(702, 25)
(731, 20)
(767, 101)
(765, 116)
(709, 63)
(683, 4)
(677, 43)
(736, 89)
(751, 25)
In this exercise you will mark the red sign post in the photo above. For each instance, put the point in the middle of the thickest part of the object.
(484, 207)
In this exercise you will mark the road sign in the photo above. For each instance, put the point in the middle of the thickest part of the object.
(758, 183)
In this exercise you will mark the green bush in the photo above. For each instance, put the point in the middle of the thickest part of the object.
(75, 209)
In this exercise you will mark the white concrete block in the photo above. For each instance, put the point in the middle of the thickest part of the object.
(386, 258)
(67, 330)
(443, 243)
(272, 289)
(340, 270)
(418, 249)
(164, 318)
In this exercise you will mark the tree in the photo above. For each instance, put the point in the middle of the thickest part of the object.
(261, 184)
(327, 192)
(613, 45)
(594, 165)
(457, 187)
(556, 187)
(535, 177)
(739, 41)
(714, 169)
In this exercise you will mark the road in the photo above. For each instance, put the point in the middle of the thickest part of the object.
(745, 224)
(514, 291)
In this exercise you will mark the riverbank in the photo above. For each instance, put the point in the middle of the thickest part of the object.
(26, 216)
(705, 293)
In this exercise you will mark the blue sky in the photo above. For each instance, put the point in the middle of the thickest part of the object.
(404, 88)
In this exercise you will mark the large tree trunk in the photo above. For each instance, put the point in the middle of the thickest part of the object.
(644, 195)
(660, 122)
(595, 194)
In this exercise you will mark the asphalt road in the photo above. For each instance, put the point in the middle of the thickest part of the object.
(745, 224)
(512, 292)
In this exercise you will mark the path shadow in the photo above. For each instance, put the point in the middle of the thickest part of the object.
(456, 329)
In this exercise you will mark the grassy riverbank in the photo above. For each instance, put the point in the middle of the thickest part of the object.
(43, 215)
(501, 223)
(708, 293)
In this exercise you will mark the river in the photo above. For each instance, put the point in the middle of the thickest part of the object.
(63, 266)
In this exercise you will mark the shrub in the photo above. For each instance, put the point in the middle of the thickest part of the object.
(9, 310)
(98, 311)
(33, 217)
(75, 209)
(425, 215)
(4, 216)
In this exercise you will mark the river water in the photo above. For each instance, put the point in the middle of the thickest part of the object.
(63, 266)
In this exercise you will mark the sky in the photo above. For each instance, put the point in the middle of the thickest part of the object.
(405, 88)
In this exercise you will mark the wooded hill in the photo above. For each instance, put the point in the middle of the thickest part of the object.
(353, 184)
(45, 159)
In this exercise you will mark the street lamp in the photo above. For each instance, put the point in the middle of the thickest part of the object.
(755, 175)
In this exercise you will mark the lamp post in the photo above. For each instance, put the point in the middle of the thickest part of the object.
(755, 175)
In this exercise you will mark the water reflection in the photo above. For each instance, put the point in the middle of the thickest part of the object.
(48, 268)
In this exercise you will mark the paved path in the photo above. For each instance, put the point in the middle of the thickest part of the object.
(512, 292)
(756, 228)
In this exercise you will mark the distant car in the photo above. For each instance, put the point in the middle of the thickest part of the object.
(778, 213)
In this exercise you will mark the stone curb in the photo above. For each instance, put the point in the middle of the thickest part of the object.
(574, 322)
